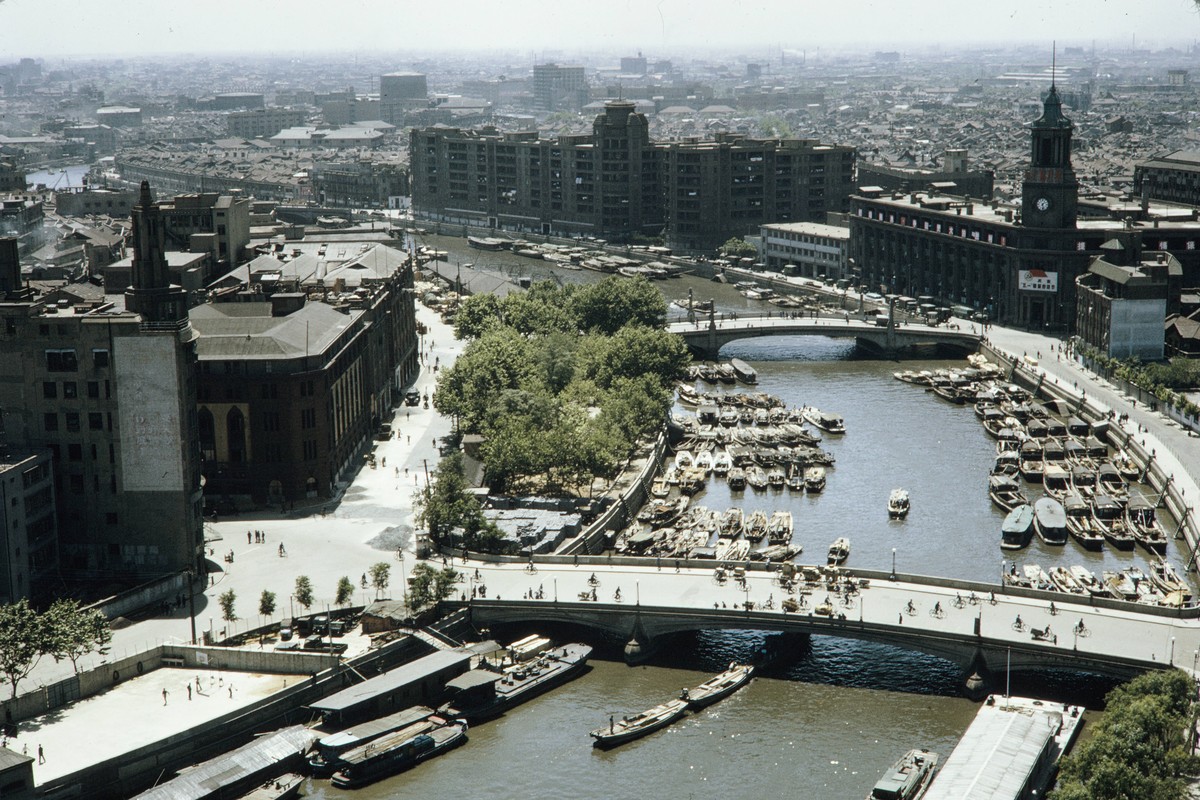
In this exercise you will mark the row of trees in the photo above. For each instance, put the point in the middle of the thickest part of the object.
(561, 381)
(1165, 380)
(1142, 747)
(302, 592)
(63, 631)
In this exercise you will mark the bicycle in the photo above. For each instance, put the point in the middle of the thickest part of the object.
(1018, 624)
(959, 602)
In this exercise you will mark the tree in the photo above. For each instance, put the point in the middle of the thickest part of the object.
(72, 632)
(428, 585)
(496, 361)
(226, 601)
(737, 247)
(634, 351)
(266, 603)
(380, 572)
(345, 591)
(475, 315)
(611, 304)
(303, 592)
(23, 641)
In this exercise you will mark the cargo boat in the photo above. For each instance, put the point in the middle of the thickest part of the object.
(639, 725)
(484, 693)
(326, 757)
(908, 778)
(395, 754)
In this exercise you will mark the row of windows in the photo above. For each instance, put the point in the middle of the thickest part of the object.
(65, 360)
(71, 421)
(70, 390)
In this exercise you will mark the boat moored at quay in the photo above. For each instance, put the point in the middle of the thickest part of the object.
(908, 778)
(1050, 521)
(398, 752)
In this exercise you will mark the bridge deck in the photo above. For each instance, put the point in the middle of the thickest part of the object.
(728, 329)
(1116, 640)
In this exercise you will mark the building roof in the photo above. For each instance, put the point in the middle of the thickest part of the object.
(203, 780)
(404, 675)
(248, 331)
(809, 229)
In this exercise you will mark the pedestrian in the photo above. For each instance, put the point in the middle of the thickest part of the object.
(189, 691)
(231, 691)
(247, 537)
(164, 697)
(900, 619)
(41, 755)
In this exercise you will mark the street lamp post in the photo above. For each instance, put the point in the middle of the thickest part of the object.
(1171, 659)
(893, 563)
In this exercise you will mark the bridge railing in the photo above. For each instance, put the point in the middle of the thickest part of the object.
(981, 590)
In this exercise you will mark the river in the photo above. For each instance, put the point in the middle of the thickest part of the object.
(828, 718)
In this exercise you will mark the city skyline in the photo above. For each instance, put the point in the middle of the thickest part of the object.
(666, 27)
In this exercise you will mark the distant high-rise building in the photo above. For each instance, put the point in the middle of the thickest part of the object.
(400, 92)
(558, 87)
(633, 65)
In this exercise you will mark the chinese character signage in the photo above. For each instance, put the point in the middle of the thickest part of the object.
(1037, 280)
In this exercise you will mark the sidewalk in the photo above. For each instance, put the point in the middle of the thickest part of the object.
(372, 521)
(1173, 447)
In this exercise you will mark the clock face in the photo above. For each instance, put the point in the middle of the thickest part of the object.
(1042, 204)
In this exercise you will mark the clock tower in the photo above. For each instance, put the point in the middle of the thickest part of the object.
(1050, 193)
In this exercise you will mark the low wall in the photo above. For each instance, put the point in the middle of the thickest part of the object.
(593, 539)
(139, 769)
(139, 597)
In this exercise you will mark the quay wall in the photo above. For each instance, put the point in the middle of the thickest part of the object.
(618, 515)
(143, 767)
(1182, 524)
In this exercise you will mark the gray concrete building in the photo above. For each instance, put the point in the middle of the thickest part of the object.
(618, 183)
(29, 534)
(109, 390)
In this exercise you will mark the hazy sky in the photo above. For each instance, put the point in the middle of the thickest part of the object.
(54, 28)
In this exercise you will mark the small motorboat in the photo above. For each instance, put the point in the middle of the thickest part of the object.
(898, 504)
(839, 551)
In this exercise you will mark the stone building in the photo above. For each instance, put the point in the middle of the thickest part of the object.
(808, 248)
(29, 535)
(1019, 264)
(109, 390)
(300, 364)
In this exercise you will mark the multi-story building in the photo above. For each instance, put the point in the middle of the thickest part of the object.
(263, 123)
(400, 92)
(805, 248)
(359, 183)
(119, 116)
(618, 183)
(955, 177)
(1124, 297)
(110, 391)
(1019, 264)
(558, 87)
(82, 202)
(28, 533)
(12, 179)
(209, 222)
(299, 368)
(730, 186)
(1173, 178)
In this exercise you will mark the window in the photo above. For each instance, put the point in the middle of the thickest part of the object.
(100, 358)
(308, 418)
(50, 422)
(93, 389)
(49, 390)
(72, 422)
(95, 421)
(70, 390)
(61, 361)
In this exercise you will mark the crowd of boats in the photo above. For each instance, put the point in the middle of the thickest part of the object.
(1056, 477)
(635, 726)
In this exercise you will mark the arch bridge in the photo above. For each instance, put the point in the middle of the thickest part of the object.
(705, 338)
(984, 628)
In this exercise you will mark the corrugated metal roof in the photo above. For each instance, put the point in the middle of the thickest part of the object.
(391, 680)
(255, 759)
(997, 754)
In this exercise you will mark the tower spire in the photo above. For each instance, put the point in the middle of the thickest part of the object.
(1053, 64)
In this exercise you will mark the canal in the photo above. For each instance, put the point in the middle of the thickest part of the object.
(828, 716)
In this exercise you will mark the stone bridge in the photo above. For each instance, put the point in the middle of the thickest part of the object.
(974, 625)
(706, 337)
